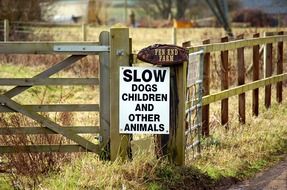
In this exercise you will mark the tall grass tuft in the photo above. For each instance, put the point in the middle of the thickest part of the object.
(26, 170)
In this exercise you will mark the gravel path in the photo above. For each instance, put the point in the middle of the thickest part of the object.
(274, 178)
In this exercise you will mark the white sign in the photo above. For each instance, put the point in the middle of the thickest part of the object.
(193, 68)
(144, 100)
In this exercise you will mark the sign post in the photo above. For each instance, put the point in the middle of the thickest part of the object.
(175, 58)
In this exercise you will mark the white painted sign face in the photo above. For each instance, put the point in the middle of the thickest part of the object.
(144, 100)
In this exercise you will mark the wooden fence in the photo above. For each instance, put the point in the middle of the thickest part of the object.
(114, 50)
(239, 45)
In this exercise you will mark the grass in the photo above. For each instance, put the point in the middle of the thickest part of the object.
(244, 150)
(228, 155)
(232, 155)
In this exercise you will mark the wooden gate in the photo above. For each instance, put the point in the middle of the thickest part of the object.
(76, 51)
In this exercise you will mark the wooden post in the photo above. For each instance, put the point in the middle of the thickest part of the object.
(241, 81)
(206, 91)
(279, 69)
(186, 44)
(6, 30)
(119, 56)
(268, 70)
(174, 35)
(224, 83)
(172, 144)
(104, 98)
(84, 32)
(255, 92)
(177, 114)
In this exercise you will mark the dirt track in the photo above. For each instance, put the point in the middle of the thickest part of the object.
(274, 178)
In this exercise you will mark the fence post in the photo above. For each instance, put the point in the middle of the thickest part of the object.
(279, 69)
(241, 81)
(255, 92)
(6, 30)
(84, 32)
(104, 97)
(119, 56)
(224, 83)
(174, 31)
(206, 82)
(268, 70)
(177, 114)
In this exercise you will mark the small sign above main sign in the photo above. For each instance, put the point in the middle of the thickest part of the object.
(163, 54)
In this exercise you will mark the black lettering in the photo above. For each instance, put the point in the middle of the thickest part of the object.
(156, 117)
(163, 97)
(159, 75)
(150, 107)
(145, 97)
(150, 127)
(127, 75)
(161, 127)
(150, 117)
(127, 127)
(146, 75)
(133, 127)
(144, 107)
(134, 87)
(143, 127)
(154, 87)
(136, 79)
(141, 87)
(148, 87)
(125, 97)
(131, 117)
(151, 97)
(138, 107)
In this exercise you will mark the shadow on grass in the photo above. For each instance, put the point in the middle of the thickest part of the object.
(187, 177)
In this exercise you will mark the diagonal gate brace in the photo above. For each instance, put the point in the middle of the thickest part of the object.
(45, 74)
(4, 100)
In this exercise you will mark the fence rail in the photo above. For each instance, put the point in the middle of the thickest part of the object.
(48, 81)
(239, 45)
(208, 99)
(233, 45)
(82, 48)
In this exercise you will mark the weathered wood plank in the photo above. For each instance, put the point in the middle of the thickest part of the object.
(105, 96)
(240, 89)
(48, 123)
(119, 56)
(45, 74)
(6, 30)
(241, 81)
(206, 91)
(224, 83)
(48, 81)
(177, 116)
(279, 89)
(42, 148)
(232, 45)
(84, 32)
(255, 77)
(51, 47)
(56, 108)
(45, 130)
(268, 71)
